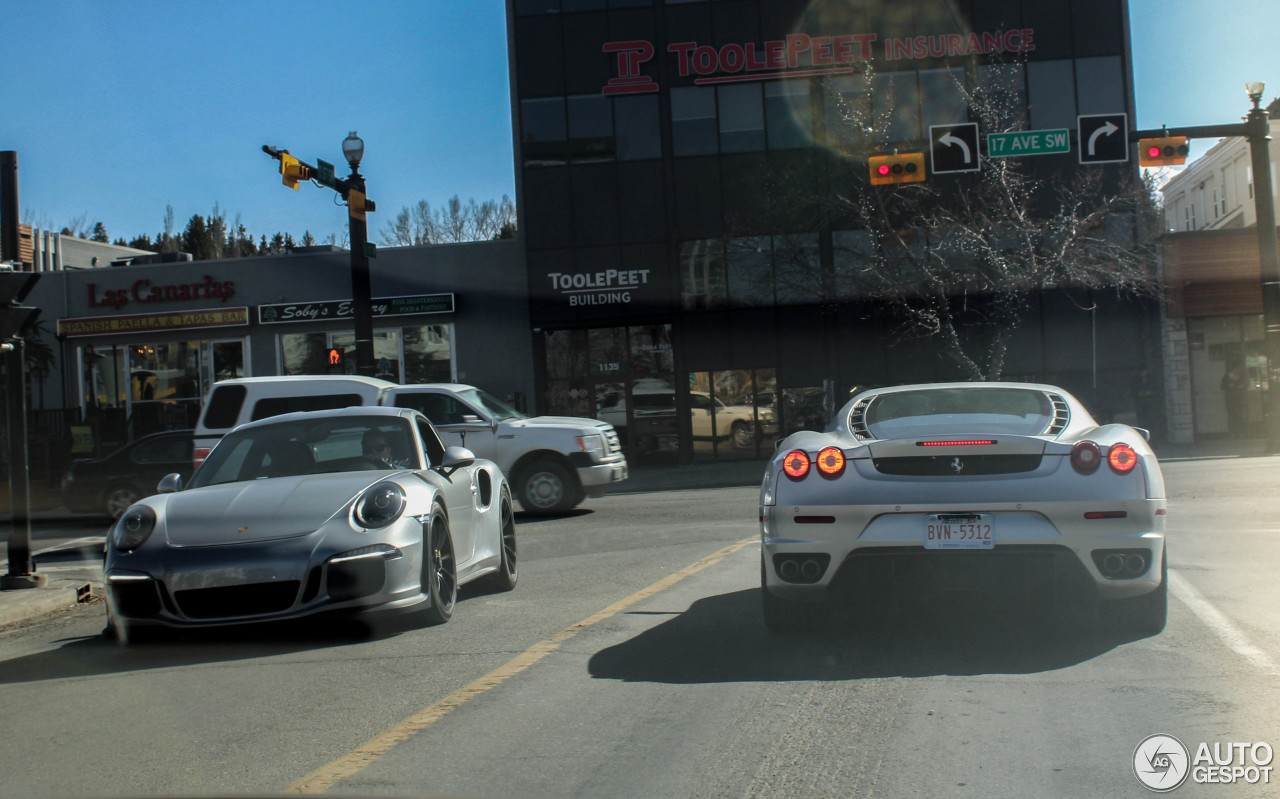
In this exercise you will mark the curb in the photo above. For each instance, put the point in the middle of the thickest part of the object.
(20, 605)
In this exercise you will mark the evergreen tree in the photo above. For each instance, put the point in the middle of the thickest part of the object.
(100, 233)
(197, 240)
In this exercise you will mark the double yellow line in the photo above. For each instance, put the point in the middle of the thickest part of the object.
(355, 761)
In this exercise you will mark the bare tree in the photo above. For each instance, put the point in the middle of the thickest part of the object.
(456, 222)
(960, 264)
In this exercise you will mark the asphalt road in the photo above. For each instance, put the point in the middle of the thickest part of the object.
(632, 661)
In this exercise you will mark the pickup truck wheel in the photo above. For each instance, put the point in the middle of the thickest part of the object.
(546, 487)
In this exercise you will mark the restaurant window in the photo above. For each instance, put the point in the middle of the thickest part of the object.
(413, 354)
(143, 388)
(386, 354)
(428, 354)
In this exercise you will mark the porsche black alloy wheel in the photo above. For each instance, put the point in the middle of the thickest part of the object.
(504, 579)
(439, 569)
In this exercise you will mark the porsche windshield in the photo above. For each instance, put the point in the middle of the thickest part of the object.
(929, 412)
(290, 448)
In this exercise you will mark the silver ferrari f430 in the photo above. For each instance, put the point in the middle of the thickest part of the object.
(1006, 495)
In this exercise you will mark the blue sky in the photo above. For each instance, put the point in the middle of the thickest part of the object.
(127, 107)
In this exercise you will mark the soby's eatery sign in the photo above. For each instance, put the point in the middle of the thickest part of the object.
(800, 55)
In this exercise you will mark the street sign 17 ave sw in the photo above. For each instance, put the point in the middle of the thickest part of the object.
(1028, 142)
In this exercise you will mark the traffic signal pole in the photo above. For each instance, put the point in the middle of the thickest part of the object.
(1256, 129)
(353, 191)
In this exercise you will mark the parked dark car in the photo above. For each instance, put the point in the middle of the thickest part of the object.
(111, 484)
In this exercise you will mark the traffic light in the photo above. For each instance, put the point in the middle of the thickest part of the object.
(904, 168)
(292, 170)
(16, 319)
(1167, 151)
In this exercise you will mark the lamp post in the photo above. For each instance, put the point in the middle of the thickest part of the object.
(361, 291)
(1258, 132)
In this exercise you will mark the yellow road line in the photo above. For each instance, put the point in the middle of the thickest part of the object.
(355, 761)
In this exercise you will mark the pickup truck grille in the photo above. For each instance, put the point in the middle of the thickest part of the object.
(612, 443)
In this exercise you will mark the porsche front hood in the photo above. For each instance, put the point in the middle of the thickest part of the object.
(258, 510)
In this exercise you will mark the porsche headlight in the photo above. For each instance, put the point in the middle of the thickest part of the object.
(134, 528)
(380, 505)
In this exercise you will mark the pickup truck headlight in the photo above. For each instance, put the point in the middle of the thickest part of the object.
(592, 444)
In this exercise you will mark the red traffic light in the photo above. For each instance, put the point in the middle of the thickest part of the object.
(1167, 151)
(903, 168)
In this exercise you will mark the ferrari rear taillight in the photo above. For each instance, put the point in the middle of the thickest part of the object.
(796, 464)
(1122, 458)
(1086, 457)
(831, 461)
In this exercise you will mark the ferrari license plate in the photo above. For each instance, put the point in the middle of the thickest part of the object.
(959, 531)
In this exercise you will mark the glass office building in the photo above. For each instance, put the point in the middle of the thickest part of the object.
(673, 157)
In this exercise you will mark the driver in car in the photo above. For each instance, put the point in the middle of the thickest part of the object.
(377, 449)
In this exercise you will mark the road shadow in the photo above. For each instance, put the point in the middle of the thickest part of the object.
(523, 517)
(160, 648)
(723, 639)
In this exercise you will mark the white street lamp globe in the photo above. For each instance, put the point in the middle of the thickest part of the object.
(353, 149)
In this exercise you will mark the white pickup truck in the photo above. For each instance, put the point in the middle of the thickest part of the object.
(553, 462)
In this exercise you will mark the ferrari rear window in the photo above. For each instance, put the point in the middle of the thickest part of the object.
(953, 411)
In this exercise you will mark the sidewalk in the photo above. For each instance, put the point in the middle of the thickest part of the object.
(22, 605)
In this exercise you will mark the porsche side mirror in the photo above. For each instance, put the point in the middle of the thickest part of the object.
(169, 484)
(457, 457)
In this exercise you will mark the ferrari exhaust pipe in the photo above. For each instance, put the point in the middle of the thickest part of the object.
(789, 569)
(1113, 564)
(1135, 565)
(810, 569)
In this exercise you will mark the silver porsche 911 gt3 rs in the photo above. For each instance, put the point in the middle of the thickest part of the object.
(345, 510)
(1008, 491)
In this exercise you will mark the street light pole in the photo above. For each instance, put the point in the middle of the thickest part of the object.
(1258, 133)
(361, 288)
